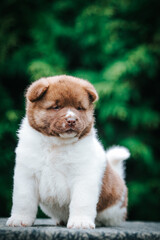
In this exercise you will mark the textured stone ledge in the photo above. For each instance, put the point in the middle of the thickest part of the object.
(43, 229)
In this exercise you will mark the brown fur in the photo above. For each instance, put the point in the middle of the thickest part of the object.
(112, 189)
(65, 92)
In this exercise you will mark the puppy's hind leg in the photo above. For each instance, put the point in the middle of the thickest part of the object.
(59, 216)
(49, 212)
(112, 216)
(112, 205)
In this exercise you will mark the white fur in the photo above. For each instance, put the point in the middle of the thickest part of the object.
(70, 113)
(116, 155)
(68, 135)
(62, 175)
(112, 216)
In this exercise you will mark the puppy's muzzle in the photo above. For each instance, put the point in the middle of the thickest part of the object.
(71, 121)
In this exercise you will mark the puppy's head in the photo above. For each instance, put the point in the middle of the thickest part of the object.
(61, 106)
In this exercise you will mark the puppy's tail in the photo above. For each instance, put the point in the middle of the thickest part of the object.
(116, 155)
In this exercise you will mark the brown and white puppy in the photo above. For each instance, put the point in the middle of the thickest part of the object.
(60, 164)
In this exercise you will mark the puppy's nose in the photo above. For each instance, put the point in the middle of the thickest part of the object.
(71, 121)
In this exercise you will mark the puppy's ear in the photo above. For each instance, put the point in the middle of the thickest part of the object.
(92, 93)
(37, 90)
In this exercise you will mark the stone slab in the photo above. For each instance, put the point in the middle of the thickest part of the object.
(44, 229)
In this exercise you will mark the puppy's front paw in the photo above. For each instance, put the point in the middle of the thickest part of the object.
(19, 221)
(80, 222)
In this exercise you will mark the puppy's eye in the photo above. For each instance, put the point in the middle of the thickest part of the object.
(56, 107)
(80, 108)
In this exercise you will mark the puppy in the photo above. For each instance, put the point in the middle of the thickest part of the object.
(60, 164)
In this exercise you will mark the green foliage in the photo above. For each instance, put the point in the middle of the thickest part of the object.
(113, 44)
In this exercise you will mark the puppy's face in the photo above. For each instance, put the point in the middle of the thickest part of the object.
(61, 106)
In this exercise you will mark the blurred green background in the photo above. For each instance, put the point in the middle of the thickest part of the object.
(116, 46)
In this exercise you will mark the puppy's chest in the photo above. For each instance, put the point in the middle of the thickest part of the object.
(55, 178)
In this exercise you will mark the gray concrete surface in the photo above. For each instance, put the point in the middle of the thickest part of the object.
(43, 229)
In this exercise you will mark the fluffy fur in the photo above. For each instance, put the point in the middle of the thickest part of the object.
(61, 165)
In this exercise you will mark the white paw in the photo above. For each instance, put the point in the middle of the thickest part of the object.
(19, 221)
(80, 222)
